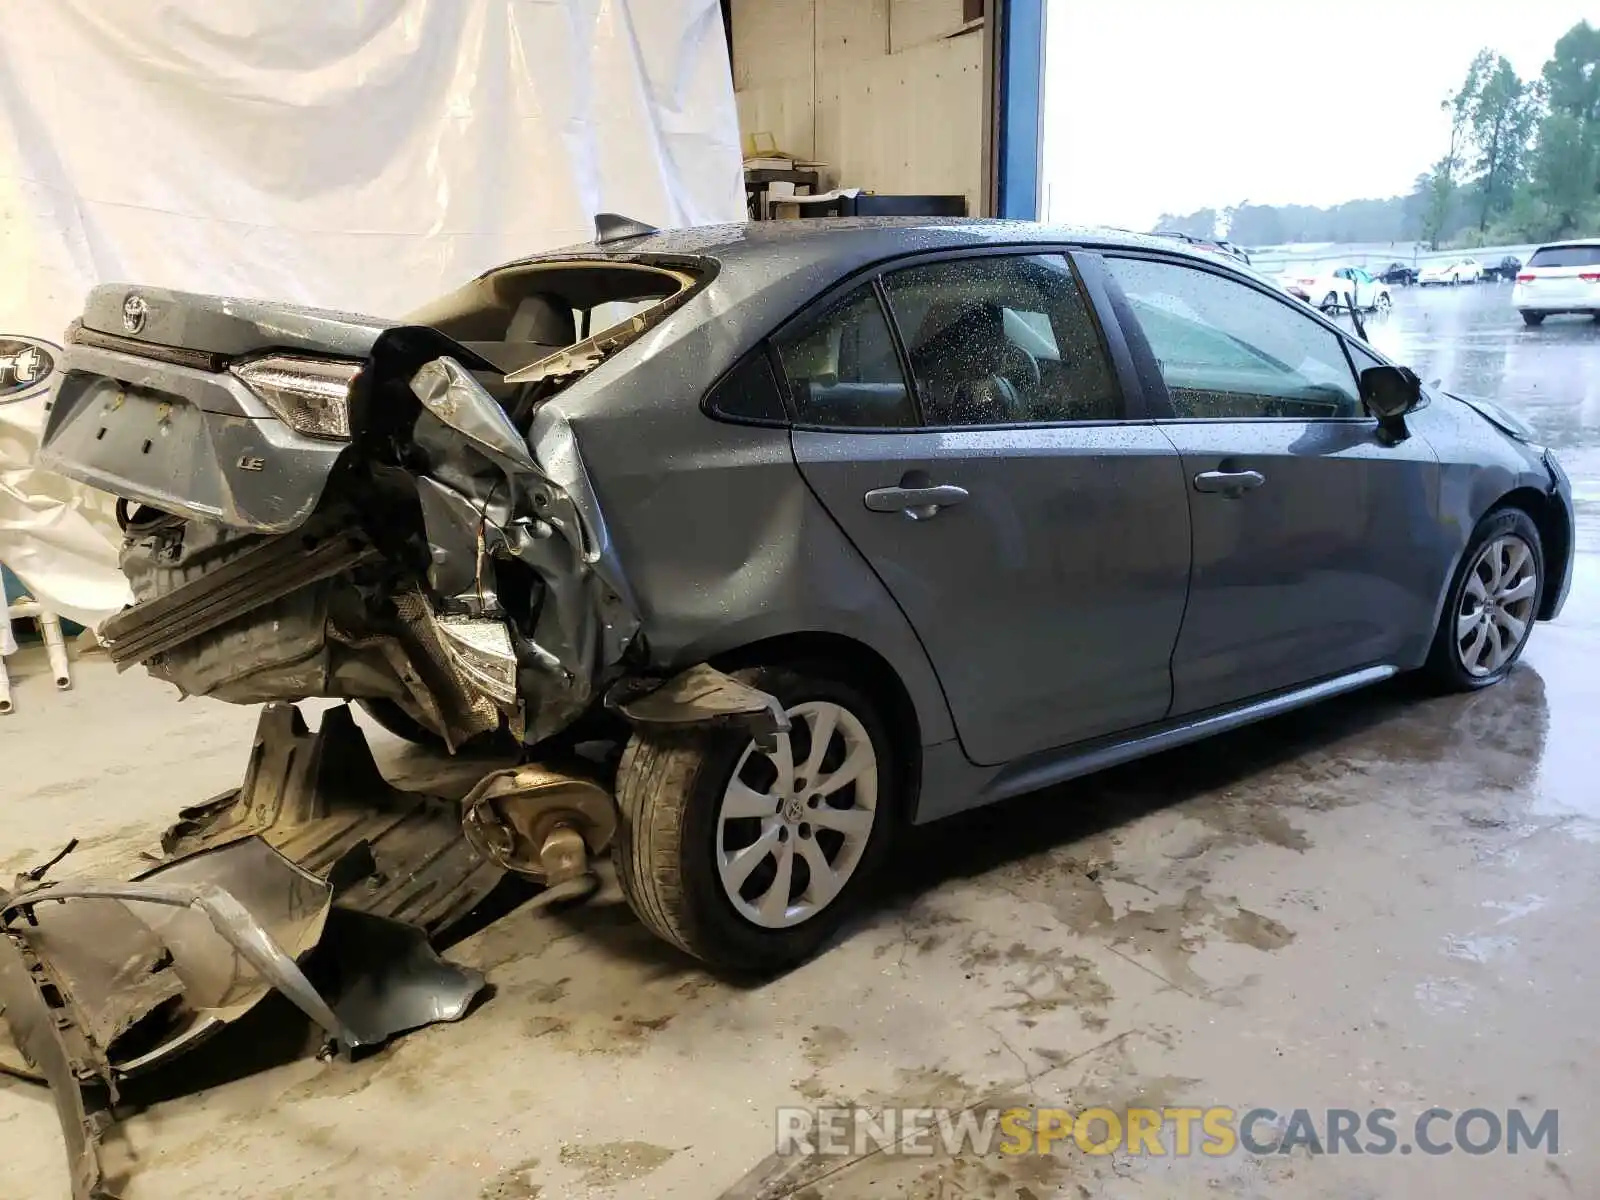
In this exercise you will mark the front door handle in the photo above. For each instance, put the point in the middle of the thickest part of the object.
(1231, 484)
(918, 503)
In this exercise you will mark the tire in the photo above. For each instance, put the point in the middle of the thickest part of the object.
(1450, 667)
(1382, 302)
(1329, 302)
(402, 724)
(407, 728)
(671, 787)
(1532, 318)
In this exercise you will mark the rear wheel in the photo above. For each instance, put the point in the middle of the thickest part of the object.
(404, 726)
(1492, 604)
(1330, 302)
(1382, 302)
(747, 859)
(1532, 318)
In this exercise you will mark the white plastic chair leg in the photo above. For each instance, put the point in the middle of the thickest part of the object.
(55, 644)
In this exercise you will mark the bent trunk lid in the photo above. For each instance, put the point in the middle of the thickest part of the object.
(226, 326)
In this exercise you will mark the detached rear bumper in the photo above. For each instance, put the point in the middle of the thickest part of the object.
(52, 1041)
(186, 440)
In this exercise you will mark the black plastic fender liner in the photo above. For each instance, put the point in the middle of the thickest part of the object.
(51, 1041)
(698, 696)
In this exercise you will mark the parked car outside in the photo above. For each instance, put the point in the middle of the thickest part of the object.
(1462, 270)
(1563, 277)
(1215, 245)
(1504, 271)
(930, 513)
(1340, 288)
(1397, 273)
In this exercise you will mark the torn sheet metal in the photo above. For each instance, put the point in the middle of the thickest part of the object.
(490, 510)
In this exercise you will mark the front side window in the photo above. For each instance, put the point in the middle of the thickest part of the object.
(843, 370)
(1229, 352)
(1003, 340)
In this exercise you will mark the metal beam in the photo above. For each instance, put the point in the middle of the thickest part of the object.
(1014, 39)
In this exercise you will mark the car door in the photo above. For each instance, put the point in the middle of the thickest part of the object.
(1366, 288)
(1031, 525)
(1306, 525)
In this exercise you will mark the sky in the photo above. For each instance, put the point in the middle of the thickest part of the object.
(1156, 106)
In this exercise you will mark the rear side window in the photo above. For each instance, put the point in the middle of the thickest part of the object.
(1003, 340)
(1566, 256)
(749, 392)
(843, 370)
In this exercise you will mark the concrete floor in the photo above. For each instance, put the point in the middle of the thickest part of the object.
(1382, 902)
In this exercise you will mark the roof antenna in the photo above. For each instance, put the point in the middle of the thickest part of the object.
(614, 227)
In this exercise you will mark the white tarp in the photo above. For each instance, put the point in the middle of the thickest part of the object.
(354, 154)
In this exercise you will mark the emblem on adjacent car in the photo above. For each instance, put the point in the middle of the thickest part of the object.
(135, 312)
(251, 462)
(26, 366)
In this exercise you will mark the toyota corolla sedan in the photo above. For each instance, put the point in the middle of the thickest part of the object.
(825, 526)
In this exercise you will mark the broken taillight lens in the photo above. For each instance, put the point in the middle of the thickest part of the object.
(310, 395)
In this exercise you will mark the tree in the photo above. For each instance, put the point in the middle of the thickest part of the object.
(1572, 76)
(1443, 178)
(1501, 118)
(1201, 223)
(1565, 170)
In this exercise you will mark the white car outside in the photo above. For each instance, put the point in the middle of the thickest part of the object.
(1339, 288)
(1563, 277)
(1463, 270)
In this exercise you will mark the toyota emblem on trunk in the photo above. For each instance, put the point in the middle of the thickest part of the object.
(134, 313)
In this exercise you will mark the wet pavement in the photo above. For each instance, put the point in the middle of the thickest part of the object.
(1386, 902)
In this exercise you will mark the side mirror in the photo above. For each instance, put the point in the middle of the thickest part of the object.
(1390, 393)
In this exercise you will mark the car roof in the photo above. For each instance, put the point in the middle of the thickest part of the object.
(853, 242)
(1570, 242)
(766, 271)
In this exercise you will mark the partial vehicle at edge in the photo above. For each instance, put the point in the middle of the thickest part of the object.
(1561, 278)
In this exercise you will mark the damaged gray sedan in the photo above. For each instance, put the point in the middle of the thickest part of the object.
(823, 526)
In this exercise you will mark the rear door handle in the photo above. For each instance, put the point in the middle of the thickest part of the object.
(1231, 484)
(918, 503)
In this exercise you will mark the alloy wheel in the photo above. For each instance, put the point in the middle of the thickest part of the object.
(794, 823)
(1496, 605)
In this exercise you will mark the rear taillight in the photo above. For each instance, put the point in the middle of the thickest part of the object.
(310, 395)
(1590, 276)
(1525, 278)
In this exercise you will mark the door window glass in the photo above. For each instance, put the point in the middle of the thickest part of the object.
(1001, 340)
(1228, 351)
(843, 370)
